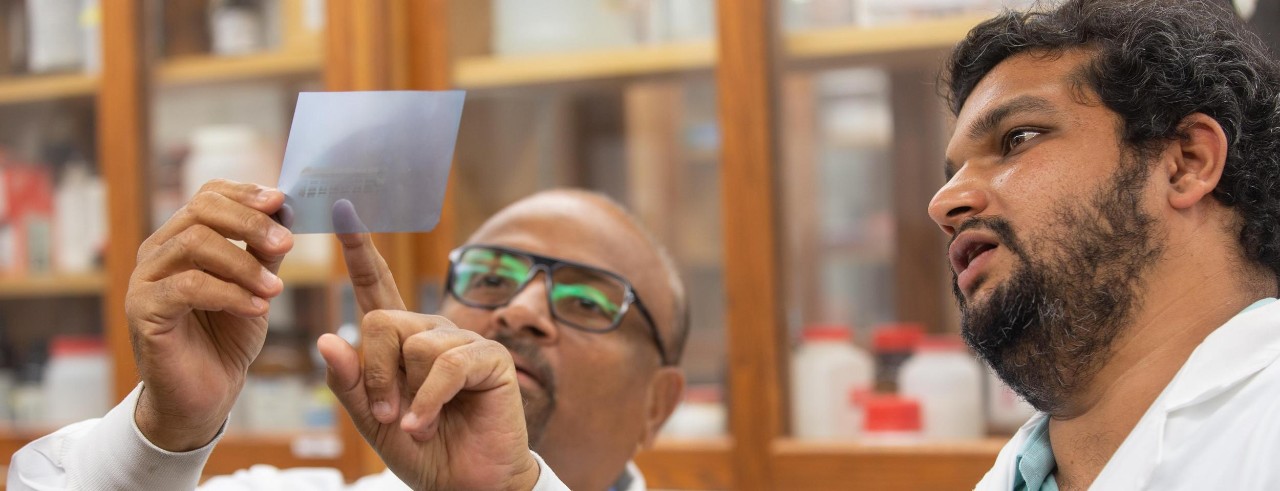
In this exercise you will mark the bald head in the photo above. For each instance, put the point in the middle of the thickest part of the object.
(591, 397)
(592, 228)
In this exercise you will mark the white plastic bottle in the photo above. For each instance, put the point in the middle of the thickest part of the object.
(75, 380)
(826, 369)
(1006, 410)
(948, 383)
(232, 152)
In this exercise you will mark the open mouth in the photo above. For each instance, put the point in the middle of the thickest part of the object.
(968, 253)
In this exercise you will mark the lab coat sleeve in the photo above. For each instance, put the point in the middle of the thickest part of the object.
(106, 453)
(547, 480)
(112, 453)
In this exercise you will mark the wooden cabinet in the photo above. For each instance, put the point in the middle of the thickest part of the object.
(711, 141)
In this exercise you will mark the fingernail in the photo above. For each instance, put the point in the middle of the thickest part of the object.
(410, 420)
(259, 303)
(277, 235)
(264, 195)
(381, 411)
(269, 280)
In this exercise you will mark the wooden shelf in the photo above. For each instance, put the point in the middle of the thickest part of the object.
(193, 70)
(54, 285)
(688, 464)
(514, 71)
(497, 72)
(241, 451)
(36, 88)
(817, 466)
(871, 41)
(12, 440)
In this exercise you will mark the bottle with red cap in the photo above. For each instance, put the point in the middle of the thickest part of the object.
(891, 419)
(894, 344)
(76, 379)
(827, 366)
(947, 381)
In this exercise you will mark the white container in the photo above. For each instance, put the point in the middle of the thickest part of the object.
(7, 384)
(227, 152)
(826, 369)
(1006, 410)
(76, 379)
(701, 415)
(91, 34)
(78, 219)
(275, 403)
(948, 383)
(236, 28)
(55, 38)
(525, 27)
(28, 406)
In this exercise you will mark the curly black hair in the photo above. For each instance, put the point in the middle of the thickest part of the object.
(1154, 63)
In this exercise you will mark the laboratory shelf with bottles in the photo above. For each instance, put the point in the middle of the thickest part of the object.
(724, 124)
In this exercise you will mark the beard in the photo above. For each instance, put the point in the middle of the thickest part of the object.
(1049, 328)
(537, 406)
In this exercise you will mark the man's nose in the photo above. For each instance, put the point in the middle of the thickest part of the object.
(528, 313)
(963, 197)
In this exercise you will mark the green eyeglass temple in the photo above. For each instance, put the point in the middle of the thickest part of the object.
(511, 267)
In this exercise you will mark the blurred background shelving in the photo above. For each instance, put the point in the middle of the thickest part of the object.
(784, 150)
(37, 88)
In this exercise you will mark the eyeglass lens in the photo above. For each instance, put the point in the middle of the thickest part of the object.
(584, 297)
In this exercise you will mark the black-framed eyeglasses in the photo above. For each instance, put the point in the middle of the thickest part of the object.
(580, 296)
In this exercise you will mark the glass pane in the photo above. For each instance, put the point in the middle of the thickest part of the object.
(53, 225)
(800, 15)
(869, 292)
(226, 77)
(615, 97)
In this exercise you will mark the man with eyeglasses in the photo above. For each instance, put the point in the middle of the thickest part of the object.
(542, 343)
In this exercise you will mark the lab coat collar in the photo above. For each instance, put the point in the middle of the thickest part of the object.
(1246, 344)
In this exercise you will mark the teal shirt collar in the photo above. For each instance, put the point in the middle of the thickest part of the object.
(1035, 463)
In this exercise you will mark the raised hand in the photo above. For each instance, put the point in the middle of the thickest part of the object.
(463, 425)
(197, 307)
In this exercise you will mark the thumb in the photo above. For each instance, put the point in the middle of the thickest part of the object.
(346, 381)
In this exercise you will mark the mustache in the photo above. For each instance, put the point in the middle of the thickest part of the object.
(998, 226)
(531, 354)
(1002, 229)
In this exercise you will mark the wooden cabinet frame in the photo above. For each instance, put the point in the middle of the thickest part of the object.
(405, 44)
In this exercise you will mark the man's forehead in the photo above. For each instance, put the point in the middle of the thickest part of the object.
(1052, 77)
(581, 233)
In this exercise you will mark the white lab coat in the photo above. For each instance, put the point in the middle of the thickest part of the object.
(1215, 426)
(111, 453)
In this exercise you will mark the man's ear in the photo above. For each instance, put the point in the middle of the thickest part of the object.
(666, 390)
(1197, 161)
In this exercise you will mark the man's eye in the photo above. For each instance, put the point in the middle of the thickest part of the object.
(1017, 137)
(589, 305)
(490, 280)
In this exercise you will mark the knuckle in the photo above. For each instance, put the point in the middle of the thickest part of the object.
(201, 205)
(439, 322)
(377, 378)
(215, 184)
(190, 283)
(258, 221)
(189, 241)
(417, 345)
(376, 322)
(453, 361)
